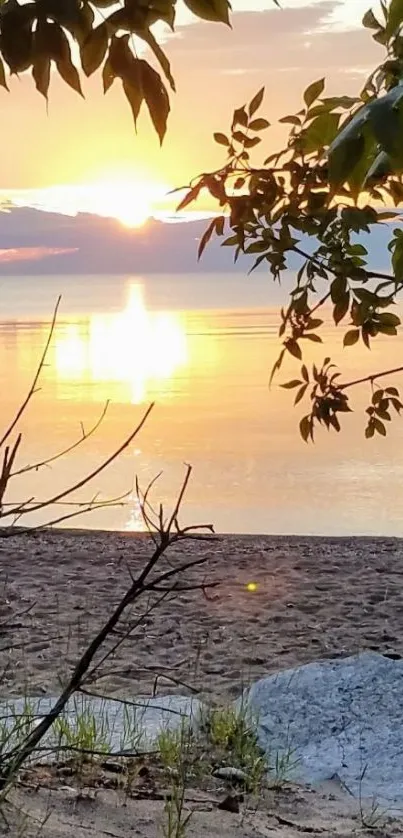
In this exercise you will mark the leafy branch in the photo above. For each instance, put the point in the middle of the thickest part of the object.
(309, 209)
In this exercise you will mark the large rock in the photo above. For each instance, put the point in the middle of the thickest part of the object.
(118, 726)
(339, 717)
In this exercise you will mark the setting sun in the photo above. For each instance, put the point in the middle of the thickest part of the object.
(130, 199)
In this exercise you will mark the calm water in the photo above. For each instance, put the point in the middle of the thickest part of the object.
(201, 348)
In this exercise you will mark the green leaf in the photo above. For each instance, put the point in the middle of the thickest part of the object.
(347, 148)
(369, 20)
(386, 119)
(256, 102)
(313, 92)
(395, 17)
(215, 10)
(397, 258)
(321, 132)
(351, 337)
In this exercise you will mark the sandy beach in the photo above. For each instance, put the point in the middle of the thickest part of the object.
(313, 598)
(310, 598)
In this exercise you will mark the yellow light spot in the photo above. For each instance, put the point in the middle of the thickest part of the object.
(251, 586)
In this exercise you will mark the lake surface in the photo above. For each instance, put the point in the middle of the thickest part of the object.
(201, 347)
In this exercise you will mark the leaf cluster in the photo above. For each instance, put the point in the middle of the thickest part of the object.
(289, 212)
(104, 35)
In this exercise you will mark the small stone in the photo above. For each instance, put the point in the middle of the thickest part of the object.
(230, 804)
(232, 775)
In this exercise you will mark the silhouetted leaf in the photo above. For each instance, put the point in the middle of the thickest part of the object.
(256, 102)
(41, 74)
(108, 76)
(379, 427)
(134, 96)
(156, 98)
(290, 385)
(221, 139)
(369, 20)
(149, 38)
(59, 51)
(3, 80)
(313, 92)
(351, 337)
(17, 48)
(294, 348)
(94, 48)
(370, 430)
(300, 395)
(305, 428)
(206, 238)
(191, 196)
(216, 10)
(259, 124)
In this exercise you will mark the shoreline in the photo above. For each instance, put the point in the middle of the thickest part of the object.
(97, 531)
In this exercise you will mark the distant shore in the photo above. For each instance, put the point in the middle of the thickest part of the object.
(309, 598)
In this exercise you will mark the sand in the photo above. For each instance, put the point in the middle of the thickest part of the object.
(313, 598)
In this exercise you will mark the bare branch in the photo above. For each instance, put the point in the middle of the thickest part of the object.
(85, 435)
(32, 389)
(87, 479)
(370, 378)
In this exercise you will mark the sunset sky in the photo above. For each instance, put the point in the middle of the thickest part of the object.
(85, 154)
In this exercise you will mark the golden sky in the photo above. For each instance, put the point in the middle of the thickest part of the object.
(92, 142)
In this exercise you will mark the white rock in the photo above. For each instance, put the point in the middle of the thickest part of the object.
(339, 717)
(131, 726)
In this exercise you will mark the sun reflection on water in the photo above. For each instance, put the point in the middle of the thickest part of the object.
(136, 347)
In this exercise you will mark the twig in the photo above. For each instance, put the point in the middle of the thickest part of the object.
(68, 450)
(32, 389)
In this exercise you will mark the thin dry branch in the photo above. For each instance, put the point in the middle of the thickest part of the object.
(35, 507)
(11, 762)
(85, 435)
(33, 389)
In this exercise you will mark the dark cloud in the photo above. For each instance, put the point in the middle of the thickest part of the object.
(87, 244)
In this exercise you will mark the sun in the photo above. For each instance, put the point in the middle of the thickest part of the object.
(129, 199)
